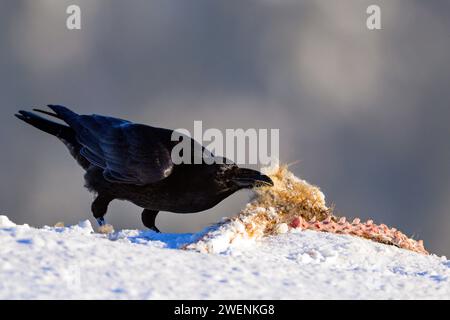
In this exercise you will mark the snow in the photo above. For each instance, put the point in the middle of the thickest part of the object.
(76, 263)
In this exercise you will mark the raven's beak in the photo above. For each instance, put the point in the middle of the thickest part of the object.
(247, 178)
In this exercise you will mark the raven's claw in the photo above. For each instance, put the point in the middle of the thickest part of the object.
(101, 221)
(103, 227)
(155, 229)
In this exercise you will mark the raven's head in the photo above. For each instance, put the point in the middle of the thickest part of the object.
(242, 178)
(248, 178)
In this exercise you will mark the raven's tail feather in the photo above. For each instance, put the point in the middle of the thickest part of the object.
(53, 128)
(65, 133)
(63, 113)
(47, 113)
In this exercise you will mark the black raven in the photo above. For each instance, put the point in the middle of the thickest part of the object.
(129, 161)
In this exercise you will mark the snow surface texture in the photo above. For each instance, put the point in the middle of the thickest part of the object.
(76, 263)
(265, 252)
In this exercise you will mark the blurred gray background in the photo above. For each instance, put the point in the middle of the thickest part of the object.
(365, 112)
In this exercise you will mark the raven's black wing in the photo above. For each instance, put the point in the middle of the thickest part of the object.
(129, 153)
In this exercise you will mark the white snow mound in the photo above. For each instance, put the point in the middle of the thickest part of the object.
(76, 263)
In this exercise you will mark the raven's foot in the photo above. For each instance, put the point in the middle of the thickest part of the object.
(105, 229)
(154, 228)
(101, 221)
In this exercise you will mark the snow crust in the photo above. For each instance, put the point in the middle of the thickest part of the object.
(76, 263)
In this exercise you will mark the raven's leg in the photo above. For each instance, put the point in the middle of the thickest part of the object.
(99, 208)
(148, 219)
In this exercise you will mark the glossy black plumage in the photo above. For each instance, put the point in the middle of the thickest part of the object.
(129, 161)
